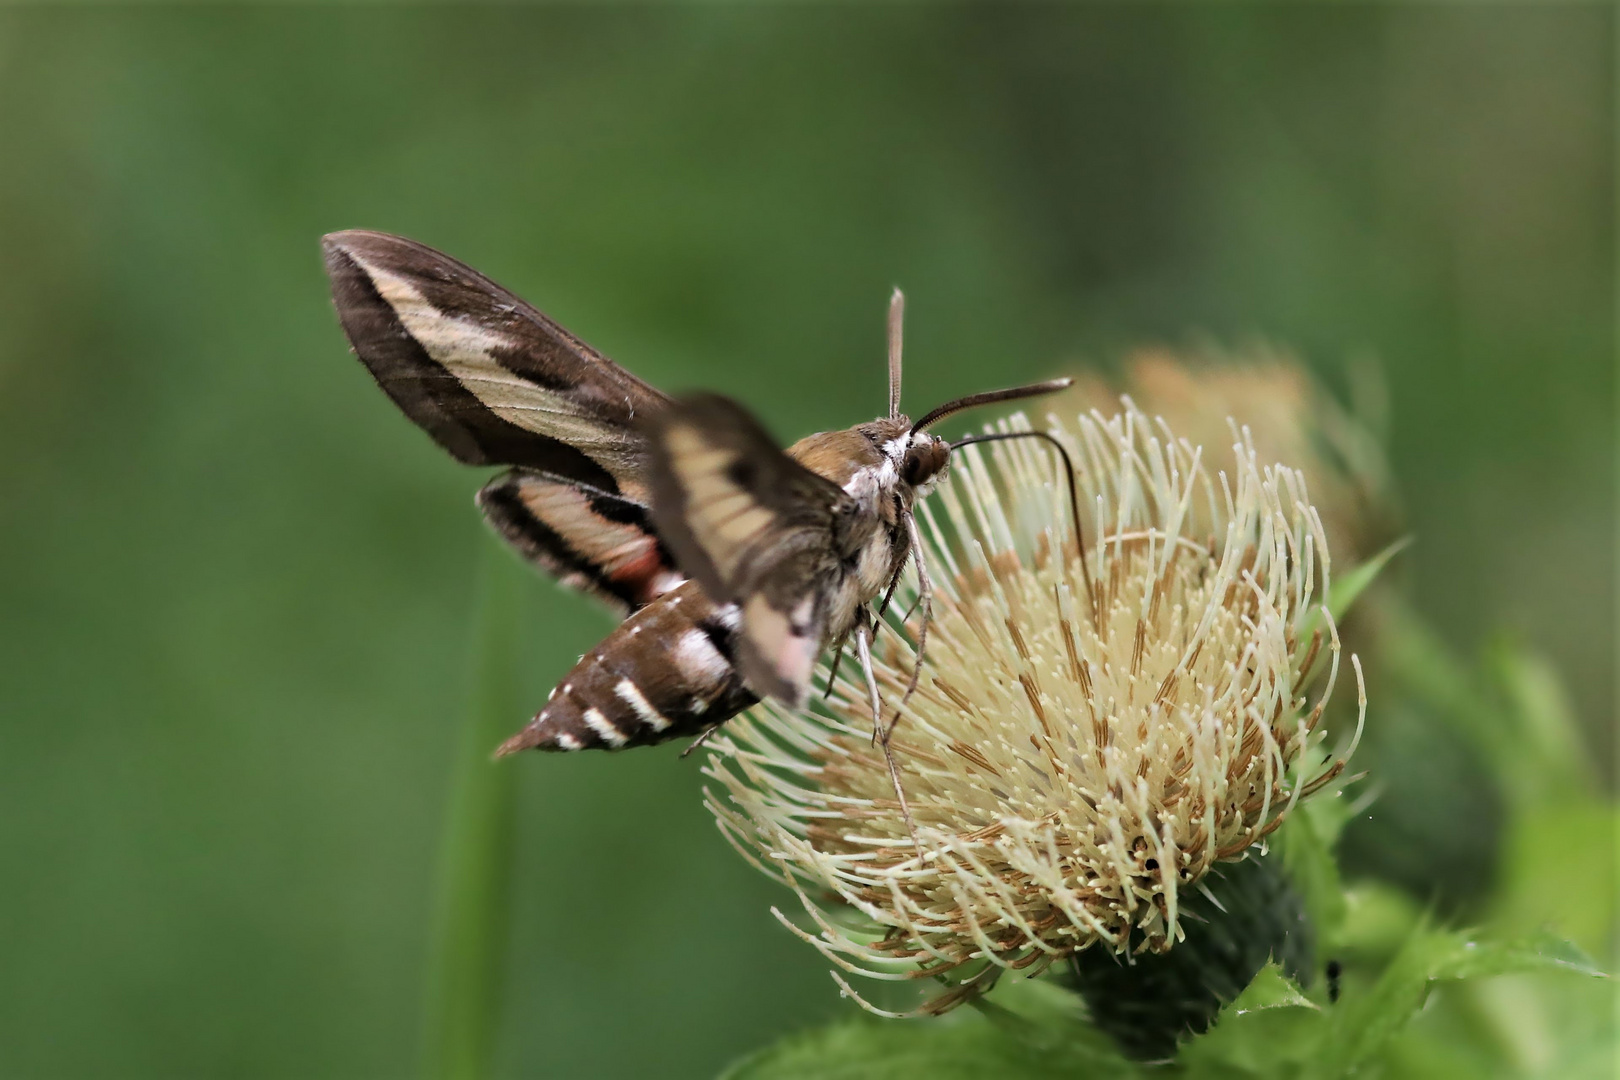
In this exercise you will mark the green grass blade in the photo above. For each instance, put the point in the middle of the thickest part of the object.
(466, 970)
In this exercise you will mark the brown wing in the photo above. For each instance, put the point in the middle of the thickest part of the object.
(754, 528)
(588, 539)
(490, 378)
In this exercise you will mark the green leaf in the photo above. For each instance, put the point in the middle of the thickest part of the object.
(1592, 1059)
(1425, 668)
(1305, 842)
(1436, 823)
(1348, 587)
(1365, 1024)
(1271, 989)
(1046, 1012)
(1511, 707)
(1549, 757)
(1535, 1024)
(1379, 918)
(1043, 1003)
(1571, 842)
(1536, 952)
(1033, 1033)
(1270, 1030)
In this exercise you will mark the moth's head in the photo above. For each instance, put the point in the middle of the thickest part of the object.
(918, 458)
(924, 460)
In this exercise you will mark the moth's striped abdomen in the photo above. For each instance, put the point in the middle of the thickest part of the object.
(665, 673)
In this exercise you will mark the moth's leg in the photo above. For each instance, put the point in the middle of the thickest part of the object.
(925, 598)
(832, 673)
(883, 608)
(862, 632)
(701, 739)
(880, 734)
(732, 707)
(906, 615)
(888, 594)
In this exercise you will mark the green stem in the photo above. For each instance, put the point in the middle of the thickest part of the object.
(467, 969)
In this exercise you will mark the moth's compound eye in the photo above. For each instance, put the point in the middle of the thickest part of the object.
(924, 461)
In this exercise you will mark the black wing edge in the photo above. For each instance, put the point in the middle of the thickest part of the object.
(543, 355)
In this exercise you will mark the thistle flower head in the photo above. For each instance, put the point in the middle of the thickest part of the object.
(1291, 418)
(1089, 736)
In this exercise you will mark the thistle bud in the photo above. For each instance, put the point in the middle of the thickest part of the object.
(1291, 418)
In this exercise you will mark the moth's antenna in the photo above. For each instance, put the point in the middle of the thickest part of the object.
(1074, 496)
(897, 314)
(991, 397)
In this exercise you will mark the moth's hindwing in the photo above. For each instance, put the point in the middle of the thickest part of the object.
(494, 381)
(665, 673)
(754, 527)
(591, 540)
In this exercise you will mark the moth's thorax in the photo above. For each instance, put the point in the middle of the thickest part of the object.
(883, 466)
(873, 459)
(837, 455)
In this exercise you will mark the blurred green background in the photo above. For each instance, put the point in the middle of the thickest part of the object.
(238, 590)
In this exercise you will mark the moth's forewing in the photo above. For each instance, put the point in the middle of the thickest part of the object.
(753, 527)
(784, 621)
(496, 382)
(490, 378)
(590, 540)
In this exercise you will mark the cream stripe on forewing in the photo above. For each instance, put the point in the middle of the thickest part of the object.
(604, 727)
(716, 505)
(467, 351)
(688, 447)
(631, 695)
(738, 518)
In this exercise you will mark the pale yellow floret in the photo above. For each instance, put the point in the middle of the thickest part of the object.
(1073, 758)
